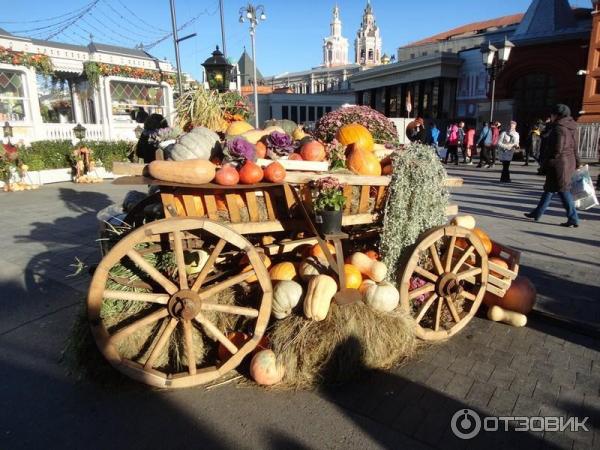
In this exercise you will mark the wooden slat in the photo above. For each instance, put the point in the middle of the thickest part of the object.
(269, 204)
(232, 207)
(363, 204)
(167, 200)
(123, 168)
(307, 198)
(451, 210)
(253, 211)
(381, 191)
(289, 197)
(285, 247)
(190, 205)
(348, 197)
(211, 206)
(198, 205)
(356, 180)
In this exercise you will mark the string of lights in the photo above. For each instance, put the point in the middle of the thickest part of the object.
(130, 22)
(56, 25)
(48, 19)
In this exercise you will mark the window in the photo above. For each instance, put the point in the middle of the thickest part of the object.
(303, 114)
(370, 55)
(56, 102)
(12, 96)
(311, 113)
(319, 112)
(285, 112)
(327, 109)
(423, 53)
(127, 97)
(294, 114)
(412, 56)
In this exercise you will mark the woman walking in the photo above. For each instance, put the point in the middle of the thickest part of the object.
(561, 161)
(508, 142)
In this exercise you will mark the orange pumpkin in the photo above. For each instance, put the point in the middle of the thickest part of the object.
(283, 271)
(520, 296)
(372, 254)
(227, 176)
(265, 369)
(363, 163)
(313, 151)
(353, 276)
(251, 173)
(261, 149)
(357, 134)
(498, 261)
(317, 251)
(295, 157)
(274, 173)
(237, 338)
(386, 170)
(266, 261)
(485, 239)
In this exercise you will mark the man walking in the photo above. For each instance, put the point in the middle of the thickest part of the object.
(485, 141)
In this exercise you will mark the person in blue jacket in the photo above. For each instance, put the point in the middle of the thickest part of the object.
(434, 134)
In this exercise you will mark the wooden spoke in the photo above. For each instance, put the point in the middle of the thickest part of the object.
(218, 287)
(152, 271)
(179, 259)
(450, 253)
(210, 262)
(436, 259)
(438, 314)
(468, 252)
(130, 329)
(426, 274)
(229, 309)
(217, 333)
(189, 346)
(425, 307)
(452, 309)
(468, 295)
(468, 273)
(161, 299)
(429, 287)
(160, 344)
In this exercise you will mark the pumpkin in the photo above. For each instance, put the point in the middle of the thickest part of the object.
(319, 292)
(466, 221)
(387, 169)
(193, 171)
(200, 143)
(265, 369)
(227, 176)
(273, 128)
(382, 297)
(237, 338)
(298, 134)
(372, 254)
(313, 151)
(317, 251)
(261, 149)
(375, 270)
(275, 172)
(250, 173)
(365, 285)
(266, 261)
(353, 276)
(485, 239)
(286, 295)
(362, 162)
(311, 267)
(498, 261)
(520, 296)
(355, 133)
(498, 314)
(288, 126)
(238, 127)
(283, 271)
(267, 239)
(194, 260)
(295, 157)
(253, 136)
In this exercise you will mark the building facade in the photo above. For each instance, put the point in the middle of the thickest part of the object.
(48, 87)
(367, 44)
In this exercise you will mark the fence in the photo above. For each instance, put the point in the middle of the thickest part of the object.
(589, 136)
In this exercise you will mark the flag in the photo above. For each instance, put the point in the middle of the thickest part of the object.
(408, 103)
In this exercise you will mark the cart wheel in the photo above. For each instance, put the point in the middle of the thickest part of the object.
(176, 307)
(444, 281)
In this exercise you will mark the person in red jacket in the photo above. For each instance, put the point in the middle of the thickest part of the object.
(495, 137)
(469, 145)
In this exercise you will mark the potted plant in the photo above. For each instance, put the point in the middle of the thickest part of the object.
(328, 204)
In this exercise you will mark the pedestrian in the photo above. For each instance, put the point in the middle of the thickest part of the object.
(508, 142)
(146, 147)
(452, 143)
(535, 140)
(469, 145)
(495, 136)
(485, 143)
(546, 129)
(561, 161)
(434, 135)
(415, 131)
(141, 115)
(461, 140)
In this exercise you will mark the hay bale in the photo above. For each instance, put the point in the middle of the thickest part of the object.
(351, 339)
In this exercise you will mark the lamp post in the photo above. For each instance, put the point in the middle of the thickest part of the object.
(494, 60)
(79, 132)
(218, 71)
(253, 14)
(8, 131)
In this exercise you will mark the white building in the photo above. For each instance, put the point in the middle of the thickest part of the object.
(46, 88)
(335, 46)
(367, 44)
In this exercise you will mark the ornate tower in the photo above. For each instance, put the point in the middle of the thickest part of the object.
(368, 40)
(335, 46)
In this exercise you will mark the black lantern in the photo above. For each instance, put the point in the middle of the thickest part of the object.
(218, 71)
(79, 132)
(138, 131)
(8, 131)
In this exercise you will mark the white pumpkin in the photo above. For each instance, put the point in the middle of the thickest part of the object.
(311, 267)
(194, 261)
(265, 369)
(465, 221)
(286, 295)
(366, 284)
(382, 297)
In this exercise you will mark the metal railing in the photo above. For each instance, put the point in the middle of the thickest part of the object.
(589, 137)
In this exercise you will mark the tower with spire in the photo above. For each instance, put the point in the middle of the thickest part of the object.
(335, 46)
(368, 40)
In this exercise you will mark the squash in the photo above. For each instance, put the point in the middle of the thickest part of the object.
(238, 127)
(355, 133)
(466, 221)
(382, 297)
(193, 171)
(237, 338)
(253, 136)
(372, 254)
(312, 267)
(266, 261)
(295, 157)
(200, 143)
(283, 271)
(375, 270)
(365, 285)
(261, 149)
(286, 295)
(288, 126)
(319, 293)
(363, 162)
(520, 296)
(313, 151)
(274, 173)
(353, 276)
(272, 129)
(194, 260)
(485, 239)
(298, 134)
(498, 314)
(251, 173)
(227, 176)
(265, 369)
(317, 251)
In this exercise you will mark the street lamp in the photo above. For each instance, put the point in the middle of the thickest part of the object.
(252, 14)
(79, 132)
(494, 60)
(218, 71)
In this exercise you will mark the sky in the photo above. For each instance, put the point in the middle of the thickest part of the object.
(289, 40)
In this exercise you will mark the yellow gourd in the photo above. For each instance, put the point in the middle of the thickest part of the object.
(498, 314)
(283, 271)
(319, 293)
(238, 127)
(465, 221)
(363, 162)
(190, 171)
(375, 270)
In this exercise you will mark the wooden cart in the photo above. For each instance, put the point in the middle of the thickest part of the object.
(229, 225)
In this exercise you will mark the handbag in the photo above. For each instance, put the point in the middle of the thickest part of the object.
(582, 189)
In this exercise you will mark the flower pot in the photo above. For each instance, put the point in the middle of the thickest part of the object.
(329, 222)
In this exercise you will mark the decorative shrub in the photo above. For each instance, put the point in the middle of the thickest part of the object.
(382, 129)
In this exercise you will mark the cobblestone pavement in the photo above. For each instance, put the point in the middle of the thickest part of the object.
(491, 368)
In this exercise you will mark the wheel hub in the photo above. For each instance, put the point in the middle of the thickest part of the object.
(184, 304)
(448, 284)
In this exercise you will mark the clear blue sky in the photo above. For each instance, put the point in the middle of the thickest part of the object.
(289, 40)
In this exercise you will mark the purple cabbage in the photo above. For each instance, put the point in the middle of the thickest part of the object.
(279, 145)
(238, 151)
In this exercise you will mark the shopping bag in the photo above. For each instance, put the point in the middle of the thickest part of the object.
(582, 189)
(442, 151)
(505, 155)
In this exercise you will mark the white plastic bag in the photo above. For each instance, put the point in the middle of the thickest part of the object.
(582, 189)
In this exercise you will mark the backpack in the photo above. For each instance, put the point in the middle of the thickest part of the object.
(453, 136)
